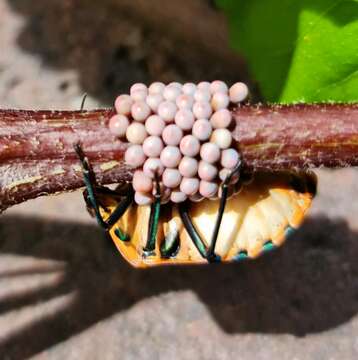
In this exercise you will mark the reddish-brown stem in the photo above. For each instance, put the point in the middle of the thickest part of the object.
(37, 155)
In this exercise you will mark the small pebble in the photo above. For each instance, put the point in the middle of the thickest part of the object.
(136, 133)
(221, 119)
(189, 146)
(222, 138)
(202, 129)
(153, 101)
(207, 171)
(189, 186)
(171, 178)
(177, 196)
(218, 86)
(123, 104)
(238, 92)
(153, 166)
(170, 156)
(140, 111)
(188, 166)
(184, 118)
(172, 135)
(134, 156)
(143, 199)
(208, 189)
(167, 111)
(141, 182)
(210, 152)
(154, 125)
(202, 110)
(118, 125)
(153, 146)
(156, 88)
(220, 101)
(189, 89)
(185, 101)
(229, 158)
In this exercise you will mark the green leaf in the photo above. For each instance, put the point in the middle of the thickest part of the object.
(298, 50)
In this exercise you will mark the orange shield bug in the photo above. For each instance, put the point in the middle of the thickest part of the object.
(254, 219)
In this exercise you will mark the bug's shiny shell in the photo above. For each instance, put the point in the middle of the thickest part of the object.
(255, 220)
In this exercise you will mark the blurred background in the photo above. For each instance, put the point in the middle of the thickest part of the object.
(64, 290)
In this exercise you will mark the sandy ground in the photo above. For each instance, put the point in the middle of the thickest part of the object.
(64, 291)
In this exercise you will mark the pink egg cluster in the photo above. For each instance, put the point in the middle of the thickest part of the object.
(180, 135)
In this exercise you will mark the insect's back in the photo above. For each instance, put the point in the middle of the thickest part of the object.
(255, 220)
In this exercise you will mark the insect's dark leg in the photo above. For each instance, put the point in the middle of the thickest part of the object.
(153, 221)
(224, 195)
(92, 187)
(208, 253)
(190, 228)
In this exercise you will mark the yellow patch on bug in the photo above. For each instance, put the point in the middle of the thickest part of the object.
(263, 212)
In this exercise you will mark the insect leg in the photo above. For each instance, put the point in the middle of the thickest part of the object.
(92, 188)
(224, 195)
(153, 221)
(207, 253)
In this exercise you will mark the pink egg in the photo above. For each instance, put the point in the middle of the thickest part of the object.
(153, 167)
(154, 125)
(141, 182)
(202, 129)
(136, 133)
(189, 146)
(143, 199)
(210, 152)
(221, 119)
(176, 84)
(170, 156)
(202, 110)
(118, 125)
(177, 197)
(238, 92)
(167, 111)
(172, 135)
(220, 101)
(189, 89)
(171, 178)
(204, 85)
(224, 173)
(207, 171)
(171, 93)
(134, 156)
(140, 111)
(229, 158)
(153, 101)
(184, 118)
(218, 86)
(196, 197)
(208, 189)
(202, 95)
(139, 95)
(222, 138)
(189, 186)
(138, 86)
(123, 104)
(156, 88)
(188, 166)
(184, 101)
(153, 146)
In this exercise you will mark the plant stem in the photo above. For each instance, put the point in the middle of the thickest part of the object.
(37, 156)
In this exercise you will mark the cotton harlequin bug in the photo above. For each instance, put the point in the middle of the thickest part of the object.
(242, 226)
